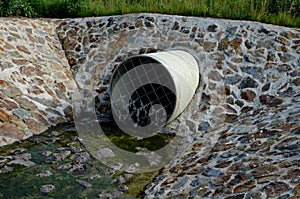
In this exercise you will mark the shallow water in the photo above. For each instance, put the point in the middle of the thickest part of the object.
(54, 159)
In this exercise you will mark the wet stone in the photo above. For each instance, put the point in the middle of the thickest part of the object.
(47, 188)
(122, 188)
(61, 156)
(47, 153)
(45, 174)
(21, 162)
(84, 184)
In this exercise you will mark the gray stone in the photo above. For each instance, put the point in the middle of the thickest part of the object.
(45, 174)
(256, 72)
(47, 153)
(180, 182)
(105, 152)
(195, 182)
(122, 188)
(285, 57)
(217, 56)
(84, 184)
(231, 31)
(231, 80)
(213, 172)
(61, 155)
(21, 162)
(47, 188)
(80, 157)
(248, 82)
(203, 126)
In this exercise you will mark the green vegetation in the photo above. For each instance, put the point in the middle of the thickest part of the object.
(278, 12)
(24, 183)
(129, 143)
(138, 182)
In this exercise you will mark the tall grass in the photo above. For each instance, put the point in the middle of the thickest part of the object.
(280, 12)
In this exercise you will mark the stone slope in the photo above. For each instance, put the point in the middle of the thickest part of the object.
(35, 80)
(241, 130)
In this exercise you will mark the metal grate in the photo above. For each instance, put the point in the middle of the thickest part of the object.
(158, 90)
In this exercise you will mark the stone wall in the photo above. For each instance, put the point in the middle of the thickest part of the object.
(242, 127)
(35, 80)
(241, 130)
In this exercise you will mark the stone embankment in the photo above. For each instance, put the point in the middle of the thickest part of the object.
(35, 80)
(241, 130)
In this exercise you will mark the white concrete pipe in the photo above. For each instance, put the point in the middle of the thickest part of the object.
(167, 78)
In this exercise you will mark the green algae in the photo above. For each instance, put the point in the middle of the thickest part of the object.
(130, 143)
(25, 182)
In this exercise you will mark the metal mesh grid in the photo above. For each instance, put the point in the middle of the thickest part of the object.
(149, 94)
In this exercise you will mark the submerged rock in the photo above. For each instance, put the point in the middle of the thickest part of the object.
(47, 188)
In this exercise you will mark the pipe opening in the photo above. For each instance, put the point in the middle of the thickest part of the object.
(145, 97)
(159, 88)
(168, 79)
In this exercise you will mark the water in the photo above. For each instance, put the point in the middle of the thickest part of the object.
(58, 159)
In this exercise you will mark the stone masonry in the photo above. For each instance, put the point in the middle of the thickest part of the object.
(240, 132)
(35, 79)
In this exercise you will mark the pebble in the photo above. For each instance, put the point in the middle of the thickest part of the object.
(47, 188)
(45, 174)
(84, 184)
(46, 153)
(122, 188)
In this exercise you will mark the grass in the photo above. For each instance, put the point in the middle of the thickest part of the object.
(269, 11)
(286, 13)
